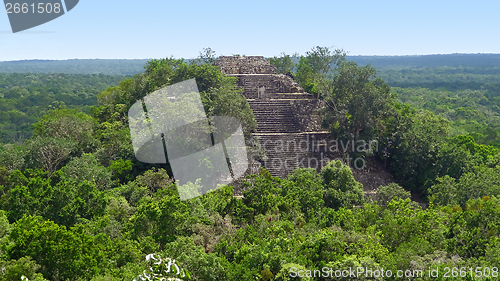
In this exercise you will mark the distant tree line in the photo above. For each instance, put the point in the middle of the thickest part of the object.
(75, 66)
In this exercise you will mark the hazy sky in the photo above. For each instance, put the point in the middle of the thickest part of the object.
(155, 29)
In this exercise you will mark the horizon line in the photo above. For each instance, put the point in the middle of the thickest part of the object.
(415, 55)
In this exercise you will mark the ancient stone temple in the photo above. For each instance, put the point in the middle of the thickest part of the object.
(288, 123)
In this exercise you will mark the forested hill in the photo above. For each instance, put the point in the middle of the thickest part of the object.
(134, 66)
(451, 60)
(75, 66)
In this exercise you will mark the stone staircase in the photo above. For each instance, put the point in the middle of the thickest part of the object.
(293, 96)
(274, 116)
(287, 147)
(280, 152)
(288, 151)
(279, 132)
(283, 111)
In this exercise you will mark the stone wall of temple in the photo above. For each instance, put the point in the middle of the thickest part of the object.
(245, 65)
(288, 123)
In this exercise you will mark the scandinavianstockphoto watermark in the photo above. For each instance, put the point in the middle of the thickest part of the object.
(312, 153)
(170, 126)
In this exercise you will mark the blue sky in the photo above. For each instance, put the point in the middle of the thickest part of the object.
(110, 29)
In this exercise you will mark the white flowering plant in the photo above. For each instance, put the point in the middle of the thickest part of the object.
(165, 269)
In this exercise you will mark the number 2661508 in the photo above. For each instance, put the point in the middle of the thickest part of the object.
(40, 8)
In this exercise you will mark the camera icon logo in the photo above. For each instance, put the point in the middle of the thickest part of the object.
(170, 126)
(26, 14)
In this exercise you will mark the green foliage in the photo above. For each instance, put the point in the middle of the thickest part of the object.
(120, 170)
(70, 253)
(57, 198)
(473, 112)
(355, 262)
(413, 146)
(386, 193)
(357, 104)
(76, 205)
(453, 78)
(25, 98)
(21, 269)
(483, 181)
(96, 67)
(49, 154)
(322, 59)
(69, 125)
(163, 217)
(87, 168)
(162, 268)
(342, 190)
(65, 253)
(284, 273)
(313, 70)
(284, 64)
(5, 229)
(219, 93)
(12, 157)
(471, 230)
(304, 191)
(199, 264)
(154, 180)
(262, 193)
(206, 56)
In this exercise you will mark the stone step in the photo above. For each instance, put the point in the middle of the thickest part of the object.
(276, 123)
(274, 103)
(294, 135)
(282, 100)
(276, 131)
(276, 119)
(274, 106)
(271, 106)
(294, 96)
(273, 112)
(282, 103)
(269, 124)
(271, 118)
(270, 129)
(264, 111)
(273, 115)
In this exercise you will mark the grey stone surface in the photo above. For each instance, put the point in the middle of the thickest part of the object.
(286, 115)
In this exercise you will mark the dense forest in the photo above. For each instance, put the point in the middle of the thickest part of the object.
(75, 204)
(26, 97)
(75, 66)
(469, 97)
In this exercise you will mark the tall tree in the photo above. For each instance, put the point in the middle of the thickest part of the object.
(284, 63)
(357, 103)
(316, 69)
